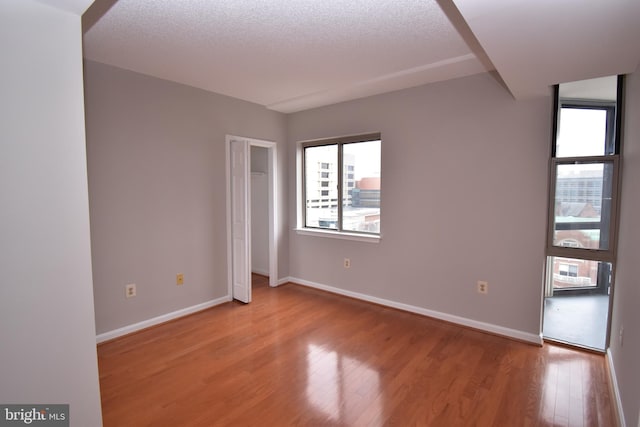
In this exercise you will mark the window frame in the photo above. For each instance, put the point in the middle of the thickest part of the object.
(592, 254)
(612, 154)
(612, 147)
(339, 232)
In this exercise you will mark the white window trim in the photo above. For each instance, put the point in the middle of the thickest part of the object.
(356, 237)
(318, 232)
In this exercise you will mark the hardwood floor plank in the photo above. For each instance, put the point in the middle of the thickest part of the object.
(298, 356)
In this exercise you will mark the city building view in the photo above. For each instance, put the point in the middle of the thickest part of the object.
(360, 196)
(578, 223)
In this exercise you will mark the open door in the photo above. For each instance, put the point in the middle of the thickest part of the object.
(240, 220)
(238, 163)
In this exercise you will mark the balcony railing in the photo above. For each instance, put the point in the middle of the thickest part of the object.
(572, 280)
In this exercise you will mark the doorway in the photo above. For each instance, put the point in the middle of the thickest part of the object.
(239, 217)
(259, 195)
(576, 304)
(583, 206)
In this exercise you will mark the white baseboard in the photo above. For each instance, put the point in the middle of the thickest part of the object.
(487, 327)
(616, 391)
(160, 319)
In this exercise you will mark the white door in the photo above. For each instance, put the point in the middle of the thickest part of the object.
(240, 220)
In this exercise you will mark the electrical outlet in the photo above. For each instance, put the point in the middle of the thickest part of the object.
(130, 290)
(483, 287)
(347, 263)
(179, 279)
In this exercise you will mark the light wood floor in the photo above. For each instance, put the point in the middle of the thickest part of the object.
(297, 356)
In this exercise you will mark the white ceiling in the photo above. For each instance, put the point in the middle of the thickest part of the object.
(77, 7)
(601, 88)
(537, 43)
(295, 55)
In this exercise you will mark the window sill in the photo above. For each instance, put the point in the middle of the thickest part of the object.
(339, 235)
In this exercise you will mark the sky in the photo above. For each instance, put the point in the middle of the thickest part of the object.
(367, 158)
(582, 133)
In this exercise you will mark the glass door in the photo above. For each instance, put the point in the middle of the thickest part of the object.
(582, 213)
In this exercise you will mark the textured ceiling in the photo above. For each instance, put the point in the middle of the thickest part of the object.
(286, 55)
(295, 55)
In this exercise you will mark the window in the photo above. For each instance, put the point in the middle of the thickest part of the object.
(353, 188)
(568, 270)
(585, 130)
(583, 198)
(584, 171)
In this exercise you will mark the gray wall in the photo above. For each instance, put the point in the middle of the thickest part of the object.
(465, 170)
(464, 198)
(626, 356)
(47, 329)
(156, 158)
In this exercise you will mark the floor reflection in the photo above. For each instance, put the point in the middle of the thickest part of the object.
(566, 388)
(342, 388)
